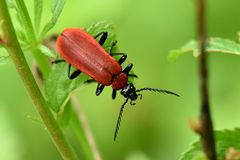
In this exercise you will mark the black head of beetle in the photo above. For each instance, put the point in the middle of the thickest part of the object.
(129, 91)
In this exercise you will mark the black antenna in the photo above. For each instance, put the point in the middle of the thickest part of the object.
(119, 119)
(157, 90)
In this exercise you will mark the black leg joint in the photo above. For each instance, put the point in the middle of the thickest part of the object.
(114, 93)
(132, 75)
(90, 81)
(112, 45)
(128, 68)
(58, 61)
(103, 37)
(100, 88)
(75, 74)
(122, 59)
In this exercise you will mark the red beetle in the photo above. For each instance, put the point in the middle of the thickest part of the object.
(82, 51)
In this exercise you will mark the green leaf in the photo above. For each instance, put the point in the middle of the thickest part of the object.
(48, 52)
(25, 22)
(218, 45)
(4, 59)
(223, 46)
(103, 27)
(225, 139)
(38, 7)
(10, 4)
(22, 38)
(35, 119)
(58, 87)
(191, 46)
(57, 7)
(64, 116)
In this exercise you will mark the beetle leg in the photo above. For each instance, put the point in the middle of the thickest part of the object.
(140, 96)
(99, 34)
(127, 69)
(58, 61)
(117, 54)
(69, 69)
(122, 59)
(100, 88)
(111, 48)
(103, 37)
(74, 74)
(132, 103)
(90, 81)
(114, 93)
(132, 75)
(113, 43)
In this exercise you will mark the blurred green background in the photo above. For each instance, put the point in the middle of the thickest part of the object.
(157, 127)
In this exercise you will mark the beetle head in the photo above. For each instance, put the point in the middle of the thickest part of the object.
(129, 91)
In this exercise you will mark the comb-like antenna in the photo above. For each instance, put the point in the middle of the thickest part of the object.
(119, 119)
(157, 90)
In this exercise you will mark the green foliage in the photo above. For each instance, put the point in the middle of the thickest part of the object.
(224, 140)
(47, 52)
(218, 45)
(64, 116)
(10, 4)
(4, 59)
(58, 87)
(25, 21)
(57, 7)
(35, 119)
(103, 27)
(29, 33)
(38, 7)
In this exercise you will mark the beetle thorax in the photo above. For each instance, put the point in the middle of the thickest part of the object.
(119, 81)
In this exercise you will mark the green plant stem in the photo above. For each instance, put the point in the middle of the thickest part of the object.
(32, 38)
(206, 126)
(15, 51)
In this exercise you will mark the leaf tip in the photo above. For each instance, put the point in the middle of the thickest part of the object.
(174, 54)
